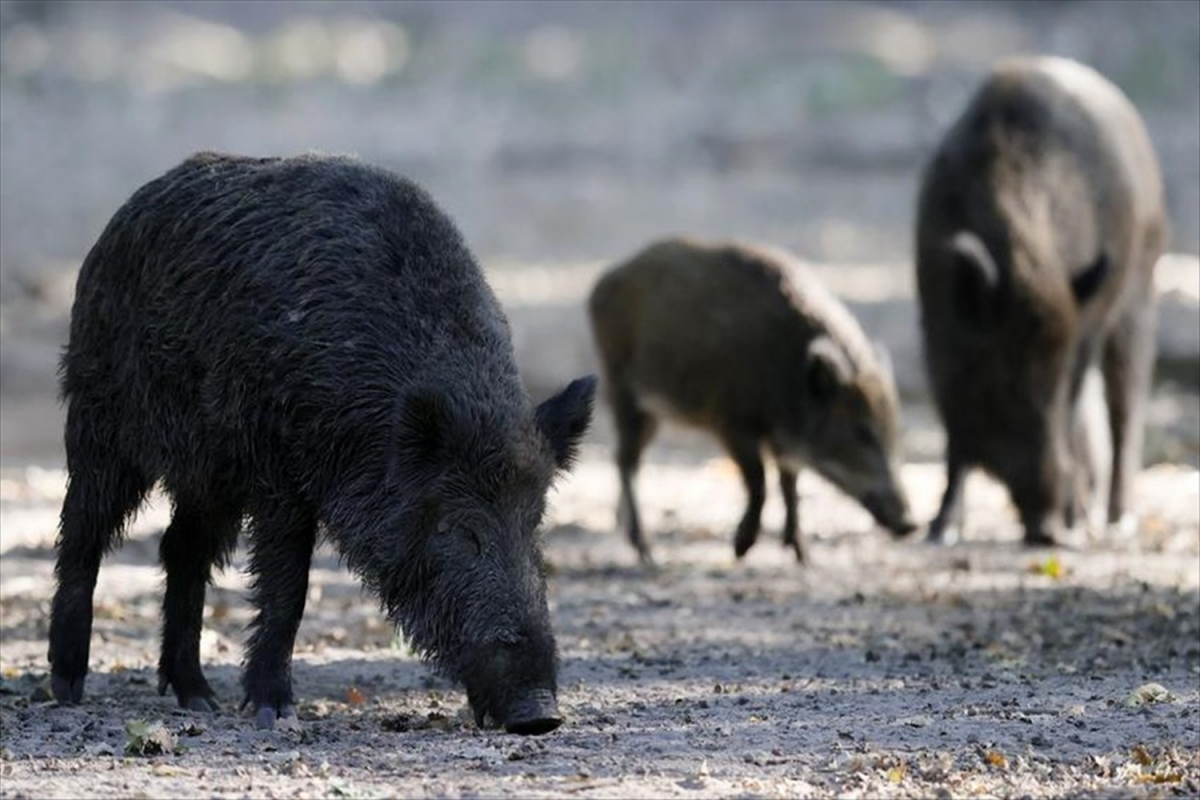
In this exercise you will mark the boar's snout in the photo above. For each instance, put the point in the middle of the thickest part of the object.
(533, 714)
(514, 686)
(890, 509)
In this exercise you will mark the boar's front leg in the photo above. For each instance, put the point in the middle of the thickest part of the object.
(745, 453)
(635, 429)
(201, 535)
(1128, 364)
(283, 536)
(791, 507)
(101, 493)
(946, 527)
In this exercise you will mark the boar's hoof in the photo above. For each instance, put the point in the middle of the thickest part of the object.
(1039, 538)
(67, 691)
(942, 535)
(201, 700)
(796, 548)
(744, 538)
(199, 703)
(266, 716)
(533, 715)
(903, 528)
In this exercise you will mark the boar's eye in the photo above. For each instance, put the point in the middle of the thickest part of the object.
(465, 533)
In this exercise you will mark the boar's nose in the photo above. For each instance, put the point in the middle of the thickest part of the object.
(892, 512)
(533, 714)
(904, 526)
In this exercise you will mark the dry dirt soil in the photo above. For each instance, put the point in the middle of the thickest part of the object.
(883, 669)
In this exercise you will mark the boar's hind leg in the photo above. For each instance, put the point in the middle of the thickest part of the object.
(946, 527)
(101, 494)
(200, 536)
(635, 429)
(791, 503)
(745, 453)
(1128, 368)
(282, 540)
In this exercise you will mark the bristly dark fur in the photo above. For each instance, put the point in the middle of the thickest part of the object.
(1040, 219)
(307, 342)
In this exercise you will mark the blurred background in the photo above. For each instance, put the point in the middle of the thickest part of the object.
(562, 137)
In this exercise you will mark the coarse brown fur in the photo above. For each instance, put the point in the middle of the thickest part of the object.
(742, 341)
(1041, 217)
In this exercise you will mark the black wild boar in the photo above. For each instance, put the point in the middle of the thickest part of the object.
(743, 341)
(308, 342)
(1041, 217)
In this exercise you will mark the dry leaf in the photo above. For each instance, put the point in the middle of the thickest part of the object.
(1160, 777)
(1146, 694)
(354, 697)
(1154, 523)
(439, 722)
(109, 610)
(896, 774)
(995, 758)
(148, 738)
(1141, 755)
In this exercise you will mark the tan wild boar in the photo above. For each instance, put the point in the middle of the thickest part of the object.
(743, 341)
(1041, 217)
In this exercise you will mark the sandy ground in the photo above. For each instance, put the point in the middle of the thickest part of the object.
(884, 669)
(561, 137)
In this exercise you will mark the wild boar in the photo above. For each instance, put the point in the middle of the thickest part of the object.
(744, 342)
(308, 342)
(1040, 218)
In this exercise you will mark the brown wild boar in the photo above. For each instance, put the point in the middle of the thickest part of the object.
(1041, 216)
(742, 341)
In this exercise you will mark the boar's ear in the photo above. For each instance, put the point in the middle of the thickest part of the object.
(424, 423)
(975, 277)
(1084, 284)
(826, 370)
(564, 418)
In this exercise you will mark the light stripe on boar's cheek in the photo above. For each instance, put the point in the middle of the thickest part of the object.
(975, 277)
(827, 368)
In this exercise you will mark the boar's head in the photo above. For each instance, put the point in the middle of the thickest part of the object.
(850, 428)
(463, 574)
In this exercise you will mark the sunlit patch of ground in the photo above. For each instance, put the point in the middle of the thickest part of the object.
(882, 669)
